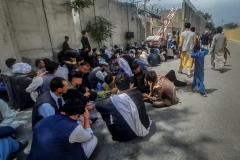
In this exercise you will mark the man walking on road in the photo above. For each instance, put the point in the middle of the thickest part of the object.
(217, 49)
(205, 39)
(185, 45)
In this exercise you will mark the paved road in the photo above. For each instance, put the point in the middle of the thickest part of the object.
(198, 129)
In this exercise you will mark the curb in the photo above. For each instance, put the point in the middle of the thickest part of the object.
(235, 41)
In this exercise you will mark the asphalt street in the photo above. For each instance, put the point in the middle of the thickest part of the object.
(197, 129)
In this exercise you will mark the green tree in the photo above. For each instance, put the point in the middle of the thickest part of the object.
(230, 25)
(206, 16)
(78, 5)
(101, 29)
(210, 26)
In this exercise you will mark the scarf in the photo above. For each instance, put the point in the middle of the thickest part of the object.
(129, 111)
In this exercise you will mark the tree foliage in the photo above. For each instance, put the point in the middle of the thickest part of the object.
(231, 25)
(210, 26)
(206, 16)
(78, 5)
(101, 29)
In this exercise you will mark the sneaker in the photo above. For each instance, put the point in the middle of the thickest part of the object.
(203, 94)
(189, 88)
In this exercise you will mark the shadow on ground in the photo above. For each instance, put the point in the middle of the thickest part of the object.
(162, 139)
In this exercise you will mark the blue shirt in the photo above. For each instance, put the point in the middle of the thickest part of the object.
(46, 109)
(120, 70)
(199, 63)
(142, 63)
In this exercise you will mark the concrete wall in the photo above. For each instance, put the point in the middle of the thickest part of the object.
(120, 14)
(191, 16)
(28, 25)
(6, 44)
(176, 22)
(31, 29)
(233, 34)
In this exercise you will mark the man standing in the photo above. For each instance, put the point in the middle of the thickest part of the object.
(125, 114)
(85, 39)
(50, 102)
(60, 136)
(217, 49)
(185, 45)
(205, 40)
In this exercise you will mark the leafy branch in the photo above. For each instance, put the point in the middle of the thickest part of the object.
(101, 29)
(78, 5)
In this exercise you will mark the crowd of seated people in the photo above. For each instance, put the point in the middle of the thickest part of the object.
(67, 96)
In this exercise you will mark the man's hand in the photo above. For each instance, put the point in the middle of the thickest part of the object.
(86, 114)
(41, 74)
(93, 90)
(179, 52)
(114, 90)
(90, 107)
(87, 94)
(87, 89)
(82, 121)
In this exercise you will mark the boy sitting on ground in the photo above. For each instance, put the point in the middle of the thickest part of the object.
(117, 69)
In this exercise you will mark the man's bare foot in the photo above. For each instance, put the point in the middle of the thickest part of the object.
(180, 72)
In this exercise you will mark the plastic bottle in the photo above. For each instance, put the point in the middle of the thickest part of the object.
(99, 87)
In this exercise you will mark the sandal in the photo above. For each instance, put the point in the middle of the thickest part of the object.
(189, 88)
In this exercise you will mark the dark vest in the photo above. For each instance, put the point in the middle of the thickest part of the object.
(45, 98)
(92, 78)
(46, 84)
(51, 140)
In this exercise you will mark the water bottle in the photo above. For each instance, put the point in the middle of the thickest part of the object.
(99, 87)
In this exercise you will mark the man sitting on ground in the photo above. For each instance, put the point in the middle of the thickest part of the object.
(9, 148)
(152, 58)
(20, 67)
(143, 64)
(40, 66)
(138, 79)
(125, 114)
(117, 69)
(8, 117)
(96, 75)
(75, 79)
(84, 69)
(50, 102)
(61, 137)
(123, 64)
(68, 49)
(42, 84)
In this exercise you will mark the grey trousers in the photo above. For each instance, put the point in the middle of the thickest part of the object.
(8, 116)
